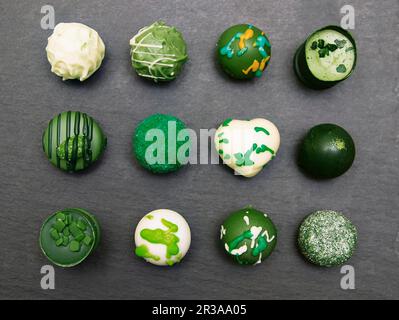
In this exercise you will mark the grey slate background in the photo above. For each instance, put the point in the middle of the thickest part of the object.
(119, 192)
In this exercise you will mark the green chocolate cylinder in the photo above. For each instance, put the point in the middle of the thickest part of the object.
(301, 66)
(69, 236)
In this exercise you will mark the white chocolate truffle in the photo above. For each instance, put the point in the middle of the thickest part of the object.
(247, 146)
(75, 51)
(162, 237)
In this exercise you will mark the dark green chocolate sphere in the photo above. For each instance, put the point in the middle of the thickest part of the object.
(69, 236)
(243, 51)
(248, 236)
(327, 151)
(73, 141)
(159, 145)
(327, 238)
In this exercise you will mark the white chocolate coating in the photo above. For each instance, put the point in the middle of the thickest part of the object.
(247, 146)
(75, 51)
(175, 231)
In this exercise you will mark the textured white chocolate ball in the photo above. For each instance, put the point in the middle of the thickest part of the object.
(247, 146)
(75, 51)
(162, 237)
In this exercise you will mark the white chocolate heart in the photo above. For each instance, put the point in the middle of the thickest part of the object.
(247, 146)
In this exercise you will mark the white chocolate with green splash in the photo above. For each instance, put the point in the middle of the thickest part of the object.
(75, 51)
(247, 146)
(162, 237)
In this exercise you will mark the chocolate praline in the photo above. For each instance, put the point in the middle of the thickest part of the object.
(69, 236)
(243, 51)
(327, 151)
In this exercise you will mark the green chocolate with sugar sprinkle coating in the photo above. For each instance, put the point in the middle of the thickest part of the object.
(327, 238)
(160, 160)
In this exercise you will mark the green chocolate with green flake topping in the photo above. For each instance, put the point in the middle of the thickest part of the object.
(249, 236)
(73, 141)
(63, 242)
(327, 238)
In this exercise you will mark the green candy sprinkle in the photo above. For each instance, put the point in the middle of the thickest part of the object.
(60, 216)
(65, 241)
(340, 43)
(54, 234)
(314, 45)
(66, 232)
(74, 230)
(87, 240)
(59, 242)
(80, 237)
(59, 225)
(74, 246)
(82, 225)
(341, 68)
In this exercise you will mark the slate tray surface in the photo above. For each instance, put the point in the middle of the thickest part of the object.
(119, 192)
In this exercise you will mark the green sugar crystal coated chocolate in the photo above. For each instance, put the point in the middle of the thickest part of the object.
(158, 52)
(243, 51)
(69, 236)
(73, 141)
(327, 151)
(248, 236)
(327, 238)
(157, 145)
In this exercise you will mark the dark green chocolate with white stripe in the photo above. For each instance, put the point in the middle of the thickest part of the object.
(326, 58)
(73, 141)
(69, 236)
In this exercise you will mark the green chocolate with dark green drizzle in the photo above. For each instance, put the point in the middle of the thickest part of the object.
(73, 141)
(68, 237)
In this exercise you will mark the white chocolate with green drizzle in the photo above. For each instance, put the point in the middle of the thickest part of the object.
(247, 146)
